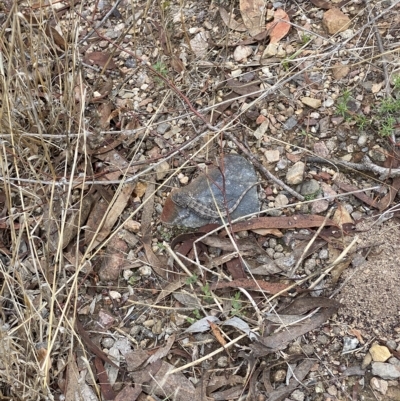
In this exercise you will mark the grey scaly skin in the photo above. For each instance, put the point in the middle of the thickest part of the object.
(186, 201)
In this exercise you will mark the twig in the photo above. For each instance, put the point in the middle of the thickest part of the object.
(380, 46)
(262, 169)
(367, 165)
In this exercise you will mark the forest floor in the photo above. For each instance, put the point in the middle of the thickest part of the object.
(200, 200)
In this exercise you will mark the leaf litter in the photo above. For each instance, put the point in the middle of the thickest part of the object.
(70, 250)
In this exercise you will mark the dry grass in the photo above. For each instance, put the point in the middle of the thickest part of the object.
(44, 126)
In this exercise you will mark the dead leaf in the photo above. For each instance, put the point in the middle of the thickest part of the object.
(168, 289)
(174, 386)
(115, 259)
(52, 32)
(241, 325)
(85, 338)
(225, 244)
(129, 393)
(217, 382)
(177, 64)
(342, 216)
(75, 387)
(360, 195)
(357, 333)
(279, 27)
(114, 214)
(280, 340)
(162, 351)
(201, 325)
(377, 87)
(230, 21)
(217, 333)
(244, 89)
(253, 14)
(135, 359)
(283, 222)
(107, 391)
(325, 5)
(102, 59)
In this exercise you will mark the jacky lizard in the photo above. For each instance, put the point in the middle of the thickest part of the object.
(186, 201)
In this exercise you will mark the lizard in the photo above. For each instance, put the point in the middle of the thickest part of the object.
(186, 201)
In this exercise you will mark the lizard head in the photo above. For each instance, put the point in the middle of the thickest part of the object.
(180, 199)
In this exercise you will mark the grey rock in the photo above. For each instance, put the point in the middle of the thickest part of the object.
(163, 128)
(323, 254)
(349, 343)
(282, 164)
(319, 206)
(386, 371)
(286, 263)
(394, 361)
(290, 123)
(310, 187)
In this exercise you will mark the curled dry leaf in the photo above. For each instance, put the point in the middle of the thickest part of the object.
(253, 14)
(279, 27)
(102, 59)
(230, 21)
(202, 325)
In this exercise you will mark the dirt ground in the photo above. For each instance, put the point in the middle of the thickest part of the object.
(200, 200)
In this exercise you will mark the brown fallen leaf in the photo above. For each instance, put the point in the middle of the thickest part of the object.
(86, 340)
(107, 391)
(279, 27)
(245, 244)
(325, 5)
(249, 89)
(162, 351)
(288, 222)
(360, 195)
(129, 393)
(342, 216)
(113, 214)
(102, 59)
(176, 386)
(230, 21)
(253, 14)
(52, 32)
(280, 340)
(270, 288)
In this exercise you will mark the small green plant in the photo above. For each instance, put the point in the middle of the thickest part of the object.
(236, 305)
(396, 82)
(305, 38)
(191, 279)
(387, 126)
(342, 108)
(207, 292)
(197, 314)
(310, 197)
(161, 68)
(362, 121)
(389, 105)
